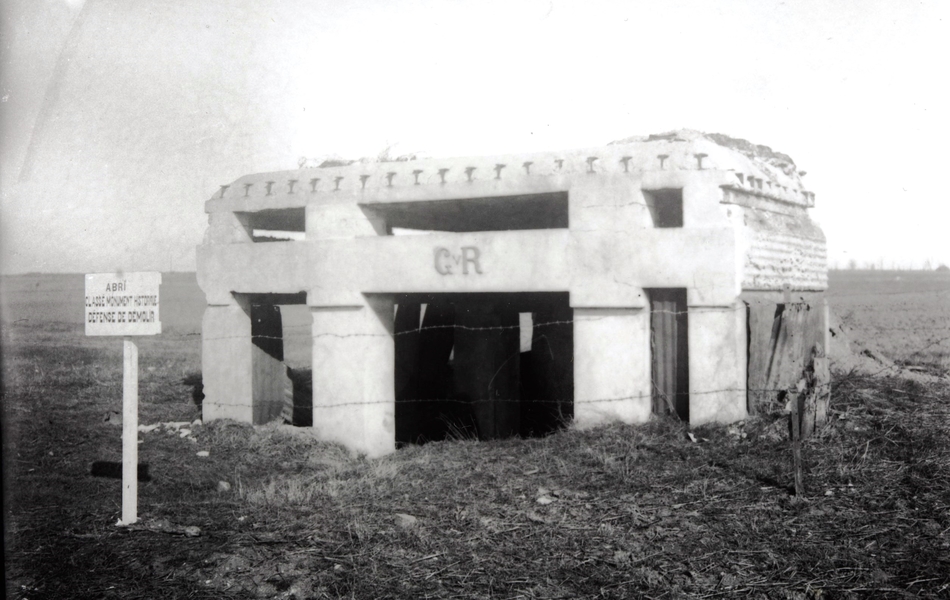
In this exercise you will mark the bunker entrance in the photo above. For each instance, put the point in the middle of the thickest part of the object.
(281, 350)
(482, 365)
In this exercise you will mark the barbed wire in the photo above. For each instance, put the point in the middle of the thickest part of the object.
(573, 400)
(818, 388)
(308, 329)
(829, 297)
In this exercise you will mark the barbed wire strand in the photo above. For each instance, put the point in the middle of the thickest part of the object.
(575, 401)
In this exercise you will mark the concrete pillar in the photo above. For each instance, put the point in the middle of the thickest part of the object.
(353, 375)
(486, 367)
(717, 364)
(226, 365)
(611, 366)
(242, 370)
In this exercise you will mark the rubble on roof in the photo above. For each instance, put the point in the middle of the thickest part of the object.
(756, 152)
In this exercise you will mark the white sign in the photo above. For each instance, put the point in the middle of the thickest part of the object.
(123, 304)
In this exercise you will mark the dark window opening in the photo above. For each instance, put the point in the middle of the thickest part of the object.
(276, 225)
(666, 207)
(464, 368)
(507, 213)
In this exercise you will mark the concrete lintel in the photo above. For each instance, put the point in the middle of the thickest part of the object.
(619, 297)
(341, 221)
(227, 299)
(678, 178)
(323, 298)
(812, 297)
(458, 190)
(254, 203)
(697, 298)
(254, 268)
(496, 261)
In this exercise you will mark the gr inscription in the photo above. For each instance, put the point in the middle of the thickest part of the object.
(451, 263)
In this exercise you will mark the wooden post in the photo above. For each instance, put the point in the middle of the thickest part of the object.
(822, 389)
(797, 445)
(130, 433)
(826, 318)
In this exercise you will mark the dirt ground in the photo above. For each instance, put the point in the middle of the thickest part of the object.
(653, 511)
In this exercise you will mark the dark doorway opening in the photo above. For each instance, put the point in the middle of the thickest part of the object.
(482, 365)
(669, 346)
(281, 334)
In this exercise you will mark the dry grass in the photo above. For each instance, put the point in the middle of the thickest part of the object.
(616, 512)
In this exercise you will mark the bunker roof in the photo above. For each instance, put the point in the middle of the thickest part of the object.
(746, 167)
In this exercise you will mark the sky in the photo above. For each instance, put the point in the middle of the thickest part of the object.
(120, 119)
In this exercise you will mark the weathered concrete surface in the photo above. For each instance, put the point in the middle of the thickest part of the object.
(717, 364)
(574, 222)
(248, 379)
(353, 374)
(611, 366)
(227, 364)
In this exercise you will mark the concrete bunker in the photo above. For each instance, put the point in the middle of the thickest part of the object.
(654, 264)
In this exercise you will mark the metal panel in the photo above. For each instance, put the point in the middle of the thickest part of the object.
(763, 322)
(783, 339)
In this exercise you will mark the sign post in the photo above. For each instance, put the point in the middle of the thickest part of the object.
(130, 431)
(125, 304)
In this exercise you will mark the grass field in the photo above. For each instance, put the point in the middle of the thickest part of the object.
(903, 314)
(617, 512)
